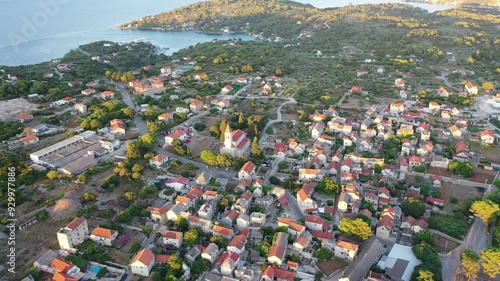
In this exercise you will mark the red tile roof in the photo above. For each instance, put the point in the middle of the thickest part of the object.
(76, 223)
(29, 138)
(62, 277)
(103, 232)
(248, 167)
(24, 116)
(61, 265)
(144, 256)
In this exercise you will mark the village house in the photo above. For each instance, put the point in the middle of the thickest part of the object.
(223, 231)
(206, 211)
(386, 223)
(142, 262)
(280, 150)
(455, 131)
(294, 228)
(229, 264)
(317, 129)
(399, 83)
(226, 89)
(397, 108)
(304, 197)
(434, 106)
(201, 76)
(301, 243)
(158, 161)
(278, 249)
(159, 214)
(248, 171)
(73, 234)
(470, 88)
(157, 84)
(65, 270)
(30, 139)
(442, 92)
(179, 134)
(80, 108)
(361, 72)
(311, 174)
(211, 252)
(173, 238)
(167, 116)
(87, 92)
(346, 250)
(173, 212)
(24, 117)
(118, 127)
(487, 137)
(413, 224)
(316, 223)
(195, 105)
(103, 236)
(107, 95)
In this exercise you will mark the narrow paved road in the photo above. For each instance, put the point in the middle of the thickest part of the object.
(143, 129)
(476, 239)
(279, 118)
(295, 211)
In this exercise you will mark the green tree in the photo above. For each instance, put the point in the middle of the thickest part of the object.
(175, 263)
(328, 187)
(222, 129)
(182, 224)
(132, 150)
(208, 157)
(201, 265)
(424, 236)
(263, 248)
(256, 151)
(129, 196)
(52, 175)
(81, 179)
(191, 237)
(129, 112)
(470, 263)
(425, 275)
(214, 131)
(485, 210)
(491, 262)
(89, 196)
(323, 254)
(413, 207)
(219, 240)
(355, 228)
(224, 160)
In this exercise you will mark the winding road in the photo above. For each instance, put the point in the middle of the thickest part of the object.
(279, 118)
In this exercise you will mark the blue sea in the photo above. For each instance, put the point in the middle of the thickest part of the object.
(33, 31)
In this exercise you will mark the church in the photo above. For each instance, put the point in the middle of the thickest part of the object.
(235, 143)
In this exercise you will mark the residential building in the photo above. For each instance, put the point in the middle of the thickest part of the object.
(248, 171)
(103, 236)
(142, 262)
(30, 139)
(173, 238)
(278, 249)
(346, 250)
(211, 252)
(24, 117)
(311, 174)
(487, 137)
(470, 88)
(304, 197)
(158, 161)
(397, 108)
(179, 134)
(167, 116)
(73, 234)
